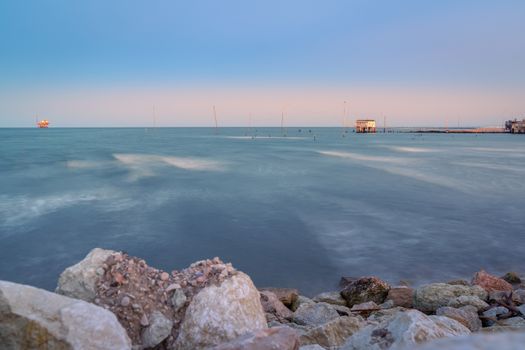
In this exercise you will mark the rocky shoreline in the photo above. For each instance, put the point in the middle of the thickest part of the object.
(111, 300)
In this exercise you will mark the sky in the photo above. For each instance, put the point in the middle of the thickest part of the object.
(111, 63)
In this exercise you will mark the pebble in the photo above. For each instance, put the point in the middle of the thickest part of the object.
(173, 286)
(144, 322)
(125, 301)
(164, 276)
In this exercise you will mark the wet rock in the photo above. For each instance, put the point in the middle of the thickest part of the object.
(480, 341)
(404, 329)
(220, 313)
(512, 278)
(282, 338)
(301, 300)
(334, 333)
(272, 305)
(401, 296)
(178, 299)
(430, 297)
(467, 316)
(365, 289)
(333, 298)
(314, 314)
(287, 296)
(158, 330)
(490, 283)
(79, 281)
(471, 300)
(32, 318)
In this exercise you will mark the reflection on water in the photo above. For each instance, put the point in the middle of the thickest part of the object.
(290, 211)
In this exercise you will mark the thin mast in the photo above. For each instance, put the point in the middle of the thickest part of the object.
(282, 123)
(215, 118)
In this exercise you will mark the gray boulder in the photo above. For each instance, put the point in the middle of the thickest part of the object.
(32, 318)
(79, 281)
(430, 297)
(278, 338)
(334, 333)
(314, 314)
(221, 313)
(466, 300)
(333, 298)
(405, 329)
(301, 299)
(467, 316)
(158, 330)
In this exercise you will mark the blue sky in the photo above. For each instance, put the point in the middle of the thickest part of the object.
(48, 47)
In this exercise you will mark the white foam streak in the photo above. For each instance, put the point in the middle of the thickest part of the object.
(364, 158)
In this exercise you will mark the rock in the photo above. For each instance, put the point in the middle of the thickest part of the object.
(220, 313)
(178, 299)
(521, 309)
(490, 283)
(312, 347)
(480, 341)
(32, 318)
(333, 298)
(430, 297)
(276, 338)
(517, 322)
(459, 283)
(144, 321)
(404, 329)
(301, 300)
(345, 281)
(79, 281)
(314, 314)
(494, 313)
(499, 296)
(512, 278)
(164, 276)
(368, 306)
(272, 305)
(467, 316)
(287, 296)
(401, 296)
(334, 333)
(387, 304)
(158, 330)
(519, 296)
(125, 301)
(365, 289)
(471, 300)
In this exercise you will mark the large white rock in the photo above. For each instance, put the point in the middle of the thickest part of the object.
(405, 328)
(218, 314)
(32, 318)
(478, 341)
(79, 281)
(430, 297)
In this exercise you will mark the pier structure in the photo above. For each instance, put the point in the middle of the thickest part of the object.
(515, 126)
(364, 126)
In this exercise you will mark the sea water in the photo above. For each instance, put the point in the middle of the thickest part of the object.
(299, 210)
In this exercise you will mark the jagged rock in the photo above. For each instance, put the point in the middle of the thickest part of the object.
(467, 316)
(519, 296)
(333, 298)
(512, 278)
(158, 330)
(32, 318)
(314, 314)
(490, 283)
(272, 305)
(430, 297)
(368, 306)
(401, 296)
(345, 281)
(301, 300)
(493, 313)
(79, 281)
(278, 338)
(404, 329)
(334, 333)
(471, 300)
(500, 341)
(178, 299)
(365, 289)
(220, 313)
(287, 296)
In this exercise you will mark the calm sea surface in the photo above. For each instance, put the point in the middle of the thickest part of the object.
(288, 211)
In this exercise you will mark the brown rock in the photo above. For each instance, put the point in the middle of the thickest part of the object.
(467, 316)
(512, 278)
(287, 296)
(365, 289)
(333, 334)
(282, 338)
(459, 283)
(401, 296)
(345, 281)
(490, 283)
(272, 305)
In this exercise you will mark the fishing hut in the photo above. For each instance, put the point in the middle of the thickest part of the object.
(364, 126)
(515, 126)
